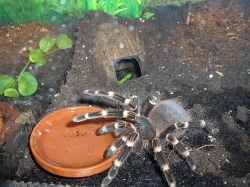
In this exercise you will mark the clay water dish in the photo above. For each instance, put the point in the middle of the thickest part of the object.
(70, 149)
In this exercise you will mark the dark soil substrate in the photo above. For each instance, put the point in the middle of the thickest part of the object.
(198, 53)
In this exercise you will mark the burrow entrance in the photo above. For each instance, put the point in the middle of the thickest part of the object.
(127, 68)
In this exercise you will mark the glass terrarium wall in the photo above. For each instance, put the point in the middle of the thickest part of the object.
(59, 11)
(46, 11)
(194, 53)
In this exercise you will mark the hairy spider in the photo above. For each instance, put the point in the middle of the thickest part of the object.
(152, 126)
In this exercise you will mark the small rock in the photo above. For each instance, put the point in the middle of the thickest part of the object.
(242, 113)
(228, 119)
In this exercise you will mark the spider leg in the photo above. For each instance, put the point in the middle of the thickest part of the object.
(125, 152)
(162, 161)
(110, 113)
(183, 152)
(112, 127)
(114, 96)
(174, 127)
(206, 126)
(115, 146)
(135, 100)
(149, 104)
(122, 129)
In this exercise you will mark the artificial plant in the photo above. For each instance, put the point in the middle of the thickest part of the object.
(60, 11)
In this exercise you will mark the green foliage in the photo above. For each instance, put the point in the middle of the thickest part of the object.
(148, 15)
(36, 56)
(92, 4)
(63, 41)
(26, 84)
(60, 11)
(46, 11)
(112, 7)
(124, 8)
(46, 43)
(6, 82)
(124, 78)
(11, 92)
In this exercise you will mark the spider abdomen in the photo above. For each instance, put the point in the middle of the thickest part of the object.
(166, 113)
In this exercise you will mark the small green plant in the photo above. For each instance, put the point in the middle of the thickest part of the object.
(112, 7)
(124, 8)
(124, 77)
(148, 15)
(26, 84)
(134, 8)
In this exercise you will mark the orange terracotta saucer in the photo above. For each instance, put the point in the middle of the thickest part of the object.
(70, 149)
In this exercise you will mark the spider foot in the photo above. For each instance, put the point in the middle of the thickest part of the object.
(129, 143)
(162, 161)
(111, 175)
(115, 147)
(180, 149)
(191, 164)
(207, 126)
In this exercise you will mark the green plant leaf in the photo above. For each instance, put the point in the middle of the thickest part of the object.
(119, 4)
(37, 56)
(46, 43)
(148, 15)
(31, 49)
(27, 84)
(6, 82)
(11, 92)
(124, 78)
(117, 11)
(63, 42)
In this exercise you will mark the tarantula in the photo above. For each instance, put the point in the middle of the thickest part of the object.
(152, 126)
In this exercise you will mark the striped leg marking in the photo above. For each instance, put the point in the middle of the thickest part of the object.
(150, 103)
(206, 126)
(115, 146)
(112, 127)
(105, 114)
(162, 161)
(114, 96)
(124, 154)
(174, 127)
(180, 149)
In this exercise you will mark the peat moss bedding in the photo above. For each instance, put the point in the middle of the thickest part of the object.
(198, 53)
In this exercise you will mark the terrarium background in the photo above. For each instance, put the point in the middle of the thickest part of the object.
(204, 62)
(59, 11)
